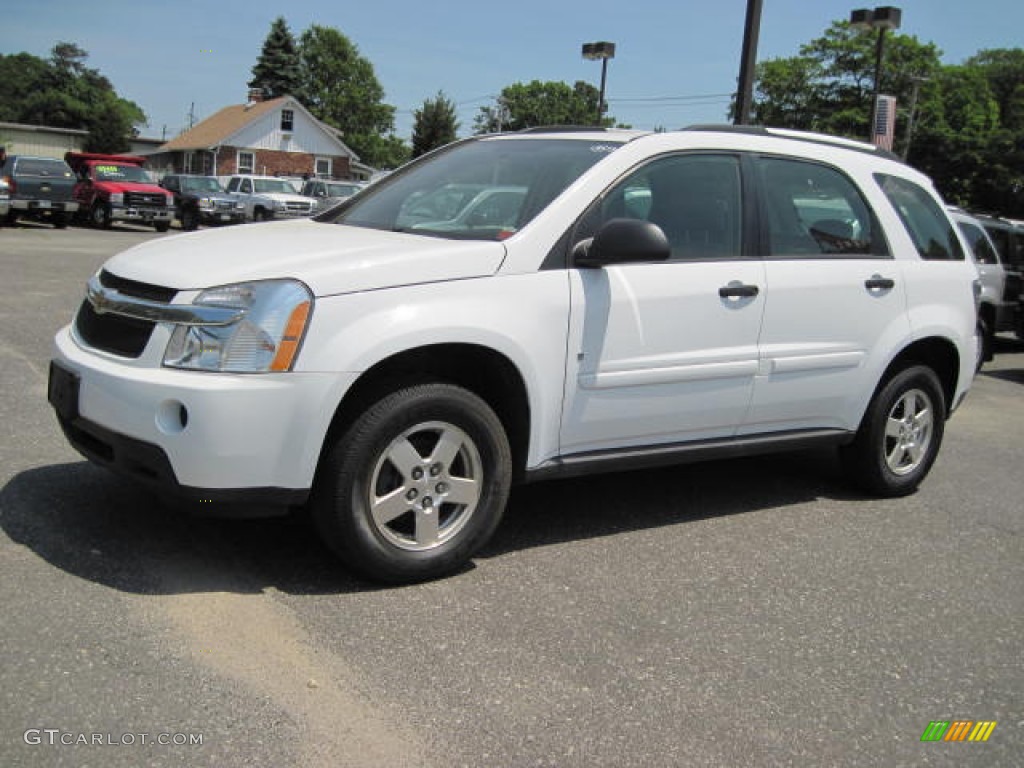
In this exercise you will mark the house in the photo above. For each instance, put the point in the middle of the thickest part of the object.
(40, 140)
(276, 137)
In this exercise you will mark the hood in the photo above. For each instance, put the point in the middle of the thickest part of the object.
(129, 186)
(329, 258)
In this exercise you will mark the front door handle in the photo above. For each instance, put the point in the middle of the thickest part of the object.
(737, 290)
(879, 283)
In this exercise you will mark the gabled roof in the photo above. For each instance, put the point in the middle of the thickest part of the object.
(221, 126)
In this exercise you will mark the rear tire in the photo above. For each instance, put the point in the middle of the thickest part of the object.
(900, 435)
(416, 485)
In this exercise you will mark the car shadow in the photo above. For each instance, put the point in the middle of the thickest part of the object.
(93, 525)
(1009, 351)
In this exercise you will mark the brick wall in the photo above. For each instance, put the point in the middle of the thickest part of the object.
(270, 162)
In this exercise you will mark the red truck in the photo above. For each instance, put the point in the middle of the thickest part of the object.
(116, 188)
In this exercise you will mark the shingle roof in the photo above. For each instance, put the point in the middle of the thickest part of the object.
(221, 125)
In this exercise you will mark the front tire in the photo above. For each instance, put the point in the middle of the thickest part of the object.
(190, 219)
(416, 485)
(900, 435)
(100, 216)
(162, 226)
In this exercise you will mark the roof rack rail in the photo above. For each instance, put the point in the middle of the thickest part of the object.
(811, 138)
(564, 129)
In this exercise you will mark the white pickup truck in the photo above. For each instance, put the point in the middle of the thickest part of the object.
(268, 197)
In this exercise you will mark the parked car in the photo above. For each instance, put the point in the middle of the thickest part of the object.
(495, 210)
(202, 199)
(268, 197)
(1009, 242)
(329, 193)
(1000, 285)
(398, 381)
(39, 188)
(117, 188)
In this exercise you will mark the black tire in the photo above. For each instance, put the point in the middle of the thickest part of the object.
(986, 343)
(59, 220)
(100, 216)
(900, 434)
(421, 531)
(262, 214)
(189, 219)
(161, 226)
(11, 218)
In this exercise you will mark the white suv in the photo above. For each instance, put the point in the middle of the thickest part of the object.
(656, 298)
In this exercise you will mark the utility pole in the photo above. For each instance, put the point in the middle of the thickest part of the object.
(748, 61)
(913, 109)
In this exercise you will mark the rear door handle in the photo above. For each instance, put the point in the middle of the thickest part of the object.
(879, 283)
(737, 290)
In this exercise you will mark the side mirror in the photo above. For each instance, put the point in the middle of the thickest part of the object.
(623, 241)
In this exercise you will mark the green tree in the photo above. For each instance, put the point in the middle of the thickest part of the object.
(277, 68)
(340, 87)
(435, 125)
(64, 93)
(528, 105)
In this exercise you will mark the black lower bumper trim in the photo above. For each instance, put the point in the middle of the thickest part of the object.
(148, 464)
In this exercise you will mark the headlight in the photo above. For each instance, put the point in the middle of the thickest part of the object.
(206, 203)
(240, 206)
(117, 198)
(266, 338)
(278, 205)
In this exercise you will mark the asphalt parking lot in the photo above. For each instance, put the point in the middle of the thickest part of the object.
(753, 613)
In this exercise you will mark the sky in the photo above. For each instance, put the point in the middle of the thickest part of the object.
(676, 62)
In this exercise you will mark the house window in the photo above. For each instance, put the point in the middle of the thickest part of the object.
(190, 162)
(287, 119)
(246, 162)
(323, 167)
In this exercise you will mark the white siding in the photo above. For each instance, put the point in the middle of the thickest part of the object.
(266, 133)
(40, 143)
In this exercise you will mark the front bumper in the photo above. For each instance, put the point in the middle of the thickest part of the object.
(221, 437)
(221, 216)
(139, 213)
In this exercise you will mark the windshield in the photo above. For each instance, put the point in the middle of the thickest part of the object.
(201, 184)
(342, 190)
(112, 172)
(480, 190)
(274, 185)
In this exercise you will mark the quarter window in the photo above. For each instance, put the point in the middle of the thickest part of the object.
(813, 210)
(694, 199)
(984, 253)
(246, 162)
(922, 217)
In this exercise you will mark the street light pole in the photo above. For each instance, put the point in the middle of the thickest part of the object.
(883, 18)
(602, 51)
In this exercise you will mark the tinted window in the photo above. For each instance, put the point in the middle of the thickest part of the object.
(429, 196)
(983, 251)
(813, 210)
(925, 222)
(32, 166)
(694, 199)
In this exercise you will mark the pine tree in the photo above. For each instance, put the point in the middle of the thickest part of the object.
(435, 125)
(277, 68)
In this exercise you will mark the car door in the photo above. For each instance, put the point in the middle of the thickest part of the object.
(836, 292)
(666, 352)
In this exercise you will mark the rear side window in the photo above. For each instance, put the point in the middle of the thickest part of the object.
(983, 251)
(814, 210)
(924, 220)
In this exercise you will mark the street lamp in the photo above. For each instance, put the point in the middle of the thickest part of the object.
(602, 51)
(881, 19)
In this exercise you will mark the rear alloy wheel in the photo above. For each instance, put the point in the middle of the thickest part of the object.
(416, 485)
(900, 436)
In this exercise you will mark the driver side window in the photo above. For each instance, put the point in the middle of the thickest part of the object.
(694, 199)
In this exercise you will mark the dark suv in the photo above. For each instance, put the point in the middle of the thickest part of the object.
(38, 188)
(202, 199)
(1009, 241)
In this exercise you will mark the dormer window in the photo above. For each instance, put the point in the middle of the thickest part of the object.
(287, 119)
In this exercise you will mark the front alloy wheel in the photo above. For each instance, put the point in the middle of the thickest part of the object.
(416, 485)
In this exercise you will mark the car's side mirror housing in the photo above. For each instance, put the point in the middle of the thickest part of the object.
(623, 241)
